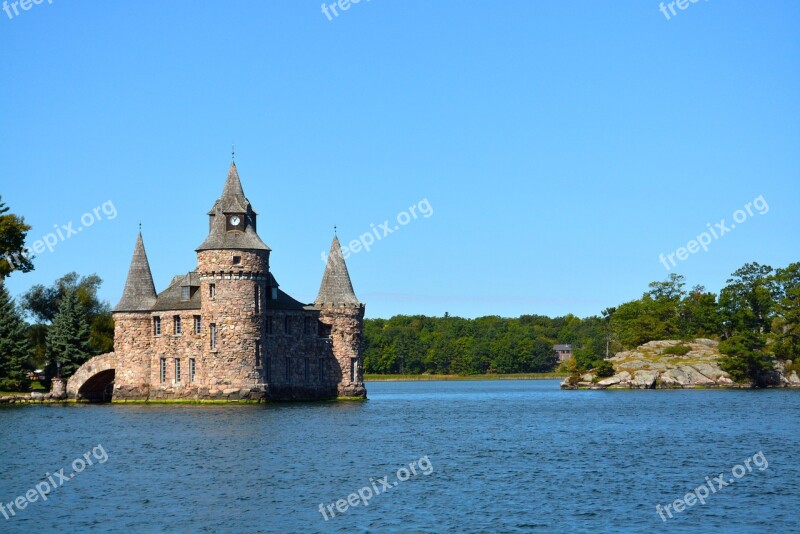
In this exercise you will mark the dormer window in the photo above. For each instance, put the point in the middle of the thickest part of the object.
(185, 293)
(237, 260)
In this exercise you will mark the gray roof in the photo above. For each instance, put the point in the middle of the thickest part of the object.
(336, 288)
(562, 347)
(170, 298)
(232, 201)
(284, 302)
(140, 292)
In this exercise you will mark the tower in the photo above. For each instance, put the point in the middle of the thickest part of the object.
(233, 268)
(343, 314)
(132, 330)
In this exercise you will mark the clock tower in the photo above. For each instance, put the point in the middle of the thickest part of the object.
(233, 267)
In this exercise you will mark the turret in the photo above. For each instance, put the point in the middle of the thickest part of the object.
(344, 314)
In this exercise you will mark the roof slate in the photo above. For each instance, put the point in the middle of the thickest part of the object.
(140, 292)
(336, 287)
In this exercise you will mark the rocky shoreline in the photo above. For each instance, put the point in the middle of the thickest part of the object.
(658, 365)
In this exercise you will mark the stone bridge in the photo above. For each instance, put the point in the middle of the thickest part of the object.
(94, 380)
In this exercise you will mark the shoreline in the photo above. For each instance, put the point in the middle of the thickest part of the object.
(453, 378)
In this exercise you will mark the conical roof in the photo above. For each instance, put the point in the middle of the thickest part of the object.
(140, 292)
(336, 288)
(232, 199)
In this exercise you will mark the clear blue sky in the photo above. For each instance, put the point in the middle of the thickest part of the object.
(562, 146)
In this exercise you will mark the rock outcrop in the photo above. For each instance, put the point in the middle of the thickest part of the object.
(674, 364)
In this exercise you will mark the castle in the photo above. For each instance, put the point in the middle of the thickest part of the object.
(226, 331)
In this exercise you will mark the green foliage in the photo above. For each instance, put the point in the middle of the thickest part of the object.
(604, 369)
(14, 347)
(786, 323)
(13, 231)
(678, 350)
(42, 303)
(68, 337)
(746, 359)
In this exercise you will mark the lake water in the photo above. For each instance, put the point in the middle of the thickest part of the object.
(501, 456)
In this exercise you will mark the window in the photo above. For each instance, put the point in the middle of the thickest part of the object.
(177, 322)
(258, 353)
(192, 369)
(257, 295)
(184, 292)
(307, 370)
(287, 325)
(306, 325)
(269, 324)
(156, 326)
(286, 370)
(237, 260)
(321, 369)
(274, 291)
(353, 369)
(163, 370)
(324, 329)
(213, 328)
(197, 324)
(212, 291)
(177, 370)
(268, 368)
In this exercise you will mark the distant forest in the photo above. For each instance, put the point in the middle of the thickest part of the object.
(756, 316)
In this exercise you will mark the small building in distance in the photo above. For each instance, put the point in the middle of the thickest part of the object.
(564, 352)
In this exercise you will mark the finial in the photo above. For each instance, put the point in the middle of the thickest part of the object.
(140, 227)
(233, 152)
(334, 229)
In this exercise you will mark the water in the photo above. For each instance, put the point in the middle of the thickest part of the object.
(506, 456)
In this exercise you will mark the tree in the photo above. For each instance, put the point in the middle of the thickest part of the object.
(68, 337)
(42, 303)
(786, 325)
(14, 347)
(699, 314)
(13, 231)
(746, 359)
(747, 302)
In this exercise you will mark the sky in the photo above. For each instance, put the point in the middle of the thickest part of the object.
(551, 151)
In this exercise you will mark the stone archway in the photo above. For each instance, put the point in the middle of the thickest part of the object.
(94, 380)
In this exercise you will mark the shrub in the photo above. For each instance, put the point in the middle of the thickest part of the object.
(604, 369)
(677, 350)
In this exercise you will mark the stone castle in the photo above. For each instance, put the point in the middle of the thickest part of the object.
(226, 331)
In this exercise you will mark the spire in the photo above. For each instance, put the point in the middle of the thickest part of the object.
(336, 288)
(233, 199)
(140, 292)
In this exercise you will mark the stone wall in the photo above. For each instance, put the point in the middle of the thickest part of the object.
(346, 324)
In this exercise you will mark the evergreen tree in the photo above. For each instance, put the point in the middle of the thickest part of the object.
(68, 337)
(14, 346)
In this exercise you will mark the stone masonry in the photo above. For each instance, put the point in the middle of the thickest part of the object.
(226, 331)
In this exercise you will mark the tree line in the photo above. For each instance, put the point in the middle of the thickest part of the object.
(756, 318)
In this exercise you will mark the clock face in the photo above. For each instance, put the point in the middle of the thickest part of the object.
(235, 220)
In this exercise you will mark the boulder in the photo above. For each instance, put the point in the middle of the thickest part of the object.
(794, 381)
(696, 378)
(619, 378)
(644, 380)
(675, 378)
(711, 370)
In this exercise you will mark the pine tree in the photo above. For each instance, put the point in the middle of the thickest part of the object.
(68, 337)
(14, 346)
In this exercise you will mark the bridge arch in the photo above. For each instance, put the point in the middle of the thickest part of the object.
(94, 380)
